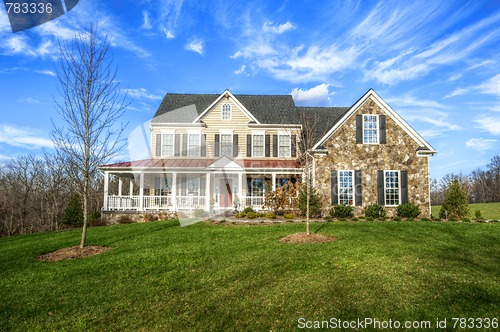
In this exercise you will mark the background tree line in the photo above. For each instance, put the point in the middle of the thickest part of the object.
(34, 193)
(481, 186)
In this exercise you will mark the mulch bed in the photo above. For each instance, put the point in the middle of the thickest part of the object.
(72, 252)
(304, 238)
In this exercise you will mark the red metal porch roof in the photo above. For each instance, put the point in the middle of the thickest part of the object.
(203, 163)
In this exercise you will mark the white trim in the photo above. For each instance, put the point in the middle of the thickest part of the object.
(189, 133)
(263, 134)
(386, 109)
(353, 185)
(399, 187)
(167, 132)
(228, 94)
(222, 112)
(290, 144)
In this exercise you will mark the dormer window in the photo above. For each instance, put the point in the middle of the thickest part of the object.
(226, 112)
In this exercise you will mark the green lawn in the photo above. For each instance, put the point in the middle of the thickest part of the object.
(488, 210)
(206, 277)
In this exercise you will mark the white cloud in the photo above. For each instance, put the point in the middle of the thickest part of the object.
(196, 46)
(491, 86)
(23, 137)
(241, 70)
(481, 64)
(29, 100)
(481, 143)
(490, 124)
(318, 95)
(410, 101)
(167, 33)
(46, 72)
(146, 25)
(142, 93)
(269, 27)
(457, 92)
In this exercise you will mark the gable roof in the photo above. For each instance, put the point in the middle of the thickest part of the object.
(321, 118)
(425, 147)
(264, 109)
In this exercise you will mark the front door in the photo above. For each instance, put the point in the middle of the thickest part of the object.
(226, 194)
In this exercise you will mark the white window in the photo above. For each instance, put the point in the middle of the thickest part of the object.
(194, 144)
(258, 146)
(167, 148)
(226, 112)
(370, 129)
(256, 187)
(284, 143)
(346, 187)
(226, 145)
(193, 186)
(392, 187)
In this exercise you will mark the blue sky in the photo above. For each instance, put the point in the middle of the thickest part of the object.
(435, 62)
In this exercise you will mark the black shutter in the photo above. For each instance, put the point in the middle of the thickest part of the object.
(380, 187)
(217, 145)
(158, 145)
(381, 126)
(268, 145)
(275, 145)
(334, 187)
(183, 186)
(359, 129)
(249, 145)
(177, 145)
(404, 187)
(358, 189)
(184, 144)
(204, 145)
(294, 145)
(235, 145)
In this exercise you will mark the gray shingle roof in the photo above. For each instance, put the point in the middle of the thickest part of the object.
(268, 109)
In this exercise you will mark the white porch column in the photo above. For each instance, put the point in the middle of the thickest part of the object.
(106, 185)
(174, 191)
(120, 186)
(131, 187)
(274, 181)
(207, 192)
(141, 191)
(240, 188)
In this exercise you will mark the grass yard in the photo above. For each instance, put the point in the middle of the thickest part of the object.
(488, 210)
(207, 277)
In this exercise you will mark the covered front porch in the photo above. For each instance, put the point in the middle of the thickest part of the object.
(220, 185)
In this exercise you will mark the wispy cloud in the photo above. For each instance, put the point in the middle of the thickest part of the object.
(146, 25)
(46, 72)
(278, 29)
(142, 93)
(241, 70)
(490, 124)
(29, 100)
(491, 86)
(316, 96)
(23, 137)
(481, 144)
(196, 46)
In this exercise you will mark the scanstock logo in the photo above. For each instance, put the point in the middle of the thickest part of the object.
(25, 14)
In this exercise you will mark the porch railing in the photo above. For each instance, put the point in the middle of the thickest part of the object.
(132, 203)
(255, 202)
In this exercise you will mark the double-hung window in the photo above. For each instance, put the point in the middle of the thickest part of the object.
(194, 144)
(226, 112)
(258, 146)
(226, 145)
(284, 143)
(392, 188)
(167, 148)
(346, 187)
(370, 129)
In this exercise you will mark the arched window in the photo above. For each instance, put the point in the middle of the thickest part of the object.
(226, 112)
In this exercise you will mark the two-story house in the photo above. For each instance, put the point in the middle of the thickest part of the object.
(210, 151)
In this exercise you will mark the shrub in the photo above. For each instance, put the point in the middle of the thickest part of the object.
(478, 214)
(73, 214)
(314, 203)
(455, 204)
(374, 211)
(124, 219)
(408, 210)
(199, 213)
(341, 211)
(425, 219)
(94, 215)
(466, 220)
(150, 217)
(270, 215)
(251, 215)
(98, 222)
(247, 210)
(240, 215)
(288, 216)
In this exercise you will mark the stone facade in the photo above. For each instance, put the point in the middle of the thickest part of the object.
(399, 153)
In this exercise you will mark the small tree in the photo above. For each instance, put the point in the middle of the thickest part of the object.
(314, 203)
(73, 214)
(455, 204)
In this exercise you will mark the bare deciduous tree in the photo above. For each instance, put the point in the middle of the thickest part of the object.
(91, 106)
